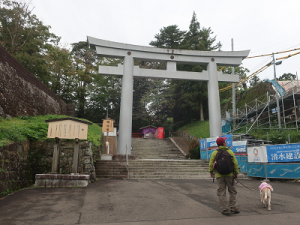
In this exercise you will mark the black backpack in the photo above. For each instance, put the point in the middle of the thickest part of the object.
(224, 164)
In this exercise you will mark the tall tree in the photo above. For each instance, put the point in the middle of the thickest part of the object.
(85, 67)
(191, 97)
(104, 94)
(254, 81)
(62, 80)
(198, 38)
(169, 37)
(25, 37)
(240, 71)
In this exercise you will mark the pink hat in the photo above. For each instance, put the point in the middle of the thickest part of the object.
(221, 140)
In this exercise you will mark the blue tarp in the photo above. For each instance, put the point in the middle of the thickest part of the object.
(285, 171)
(239, 146)
(278, 87)
(226, 127)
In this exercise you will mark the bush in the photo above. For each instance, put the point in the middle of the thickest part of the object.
(35, 131)
(12, 133)
(194, 149)
(194, 153)
(278, 138)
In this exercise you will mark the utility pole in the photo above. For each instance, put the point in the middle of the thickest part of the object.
(277, 99)
(107, 111)
(233, 93)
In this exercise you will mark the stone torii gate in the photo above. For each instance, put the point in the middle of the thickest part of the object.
(129, 53)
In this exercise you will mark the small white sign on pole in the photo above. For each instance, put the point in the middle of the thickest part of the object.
(111, 134)
(257, 154)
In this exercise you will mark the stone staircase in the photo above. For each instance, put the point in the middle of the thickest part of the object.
(153, 169)
(155, 149)
(156, 159)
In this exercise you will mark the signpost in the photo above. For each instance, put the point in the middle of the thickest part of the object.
(108, 126)
(66, 128)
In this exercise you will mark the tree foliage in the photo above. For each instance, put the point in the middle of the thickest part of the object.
(189, 98)
(62, 79)
(287, 76)
(72, 74)
(25, 37)
(169, 37)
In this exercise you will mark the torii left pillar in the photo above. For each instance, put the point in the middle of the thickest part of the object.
(125, 122)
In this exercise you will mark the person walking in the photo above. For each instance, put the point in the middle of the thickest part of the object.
(224, 167)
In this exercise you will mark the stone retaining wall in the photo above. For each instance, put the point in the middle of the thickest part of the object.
(22, 94)
(14, 168)
(19, 162)
(87, 153)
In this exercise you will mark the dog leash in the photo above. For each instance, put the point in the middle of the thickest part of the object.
(237, 181)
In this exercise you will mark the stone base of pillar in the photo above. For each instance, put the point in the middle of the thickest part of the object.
(106, 157)
(120, 157)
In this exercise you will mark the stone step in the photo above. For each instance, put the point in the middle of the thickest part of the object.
(149, 170)
(155, 149)
(154, 165)
(153, 169)
(155, 177)
(142, 165)
(151, 166)
(169, 176)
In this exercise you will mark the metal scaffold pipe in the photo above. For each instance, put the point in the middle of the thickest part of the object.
(277, 99)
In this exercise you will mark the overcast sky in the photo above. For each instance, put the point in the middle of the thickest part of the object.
(263, 26)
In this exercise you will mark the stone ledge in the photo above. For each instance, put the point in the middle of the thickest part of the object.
(62, 176)
(120, 157)
(61, 180)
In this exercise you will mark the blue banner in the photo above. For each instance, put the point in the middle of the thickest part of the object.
(276, 170)
(242, 161)
(283, 153)
(204, 154)
(228, 140)
(211, 142)
(203, 144)
(239, 146)
(284, 171)
(255, 170)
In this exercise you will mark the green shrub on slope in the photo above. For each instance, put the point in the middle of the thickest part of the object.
(35, 128)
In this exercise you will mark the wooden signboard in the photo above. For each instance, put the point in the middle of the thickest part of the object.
(108, 124)
(68, 128)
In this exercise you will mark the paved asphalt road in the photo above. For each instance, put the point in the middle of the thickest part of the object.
(148, 202)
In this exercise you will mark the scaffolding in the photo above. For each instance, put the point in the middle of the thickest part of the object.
(261, 113)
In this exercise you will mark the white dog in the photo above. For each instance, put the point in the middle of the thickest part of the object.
(265, 193)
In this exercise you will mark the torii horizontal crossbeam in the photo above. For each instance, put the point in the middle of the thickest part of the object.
(166, 74)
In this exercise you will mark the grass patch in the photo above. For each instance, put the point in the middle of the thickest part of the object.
(35, 128)
(199, 129)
